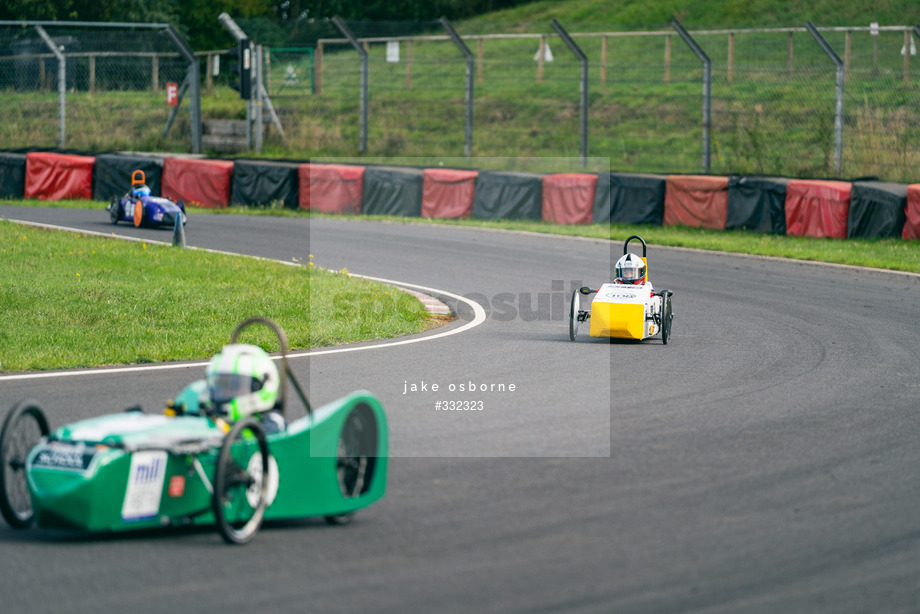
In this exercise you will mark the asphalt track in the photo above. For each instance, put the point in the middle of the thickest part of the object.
(763, 461)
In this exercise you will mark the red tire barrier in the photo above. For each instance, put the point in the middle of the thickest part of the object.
(448, 193)
(200, 183)
(53, 176)
(699, 201)
(568, 198)
(912, 213)
(331, 188)
(817, 208)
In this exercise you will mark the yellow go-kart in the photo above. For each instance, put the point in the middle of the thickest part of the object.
(629, 307)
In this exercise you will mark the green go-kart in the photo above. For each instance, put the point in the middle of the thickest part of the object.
(187, 466)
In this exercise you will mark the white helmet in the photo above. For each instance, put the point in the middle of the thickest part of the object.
(630, 269)
(242, 380)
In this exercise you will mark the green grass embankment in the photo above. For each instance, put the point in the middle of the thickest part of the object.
(69, 300)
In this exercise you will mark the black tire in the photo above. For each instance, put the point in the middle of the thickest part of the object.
(666, 316)
(340, 519)
(573, 315)
(114, 212)
(355, 458)
(23, 428)
(237, 482)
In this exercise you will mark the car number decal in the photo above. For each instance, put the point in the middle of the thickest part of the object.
(619, 295)
(145, 485)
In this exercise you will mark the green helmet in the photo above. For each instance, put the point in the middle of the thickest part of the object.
(242, 380)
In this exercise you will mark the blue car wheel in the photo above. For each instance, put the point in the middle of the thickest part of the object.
(114, 207)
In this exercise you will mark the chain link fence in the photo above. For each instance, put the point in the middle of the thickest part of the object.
(773, 105)
(114, 80)
(774, 97)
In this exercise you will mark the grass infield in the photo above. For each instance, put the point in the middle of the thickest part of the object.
(69, 300)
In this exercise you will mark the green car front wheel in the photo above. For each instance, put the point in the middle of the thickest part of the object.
(241, 482)
(23, 428)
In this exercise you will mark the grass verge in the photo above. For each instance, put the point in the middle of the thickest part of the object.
(70, 300)
(892, 254)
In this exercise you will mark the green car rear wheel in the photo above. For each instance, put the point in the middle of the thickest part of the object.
(355, 459)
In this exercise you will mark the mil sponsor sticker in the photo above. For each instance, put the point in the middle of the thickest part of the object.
(145, 486)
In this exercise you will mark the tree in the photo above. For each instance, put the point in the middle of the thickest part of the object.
(36, 10)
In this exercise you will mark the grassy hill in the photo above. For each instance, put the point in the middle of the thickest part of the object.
(631, 15)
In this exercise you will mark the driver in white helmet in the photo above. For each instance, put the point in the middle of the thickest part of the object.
(243, 381)
(631, 269)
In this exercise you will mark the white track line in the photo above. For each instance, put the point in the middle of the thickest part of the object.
(478, 313)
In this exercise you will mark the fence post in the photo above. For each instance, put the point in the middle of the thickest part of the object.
(468, 96)
(707, 88)
(541, 54)
(906, 55)
(846, 54)
(267, 70)
(258, 66)
(193, 79)
(247, 57)
(154, 72)
(209, 77)
(841, 78)
(409, 65)
(318, 69)
(362, 147)
(875, 50)
(789, 54)
(62, 84)
(731, 56)
(916, 30)
(92, 74)
(479, 60)
(667, 59)
(583, 59)
(603, 60)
